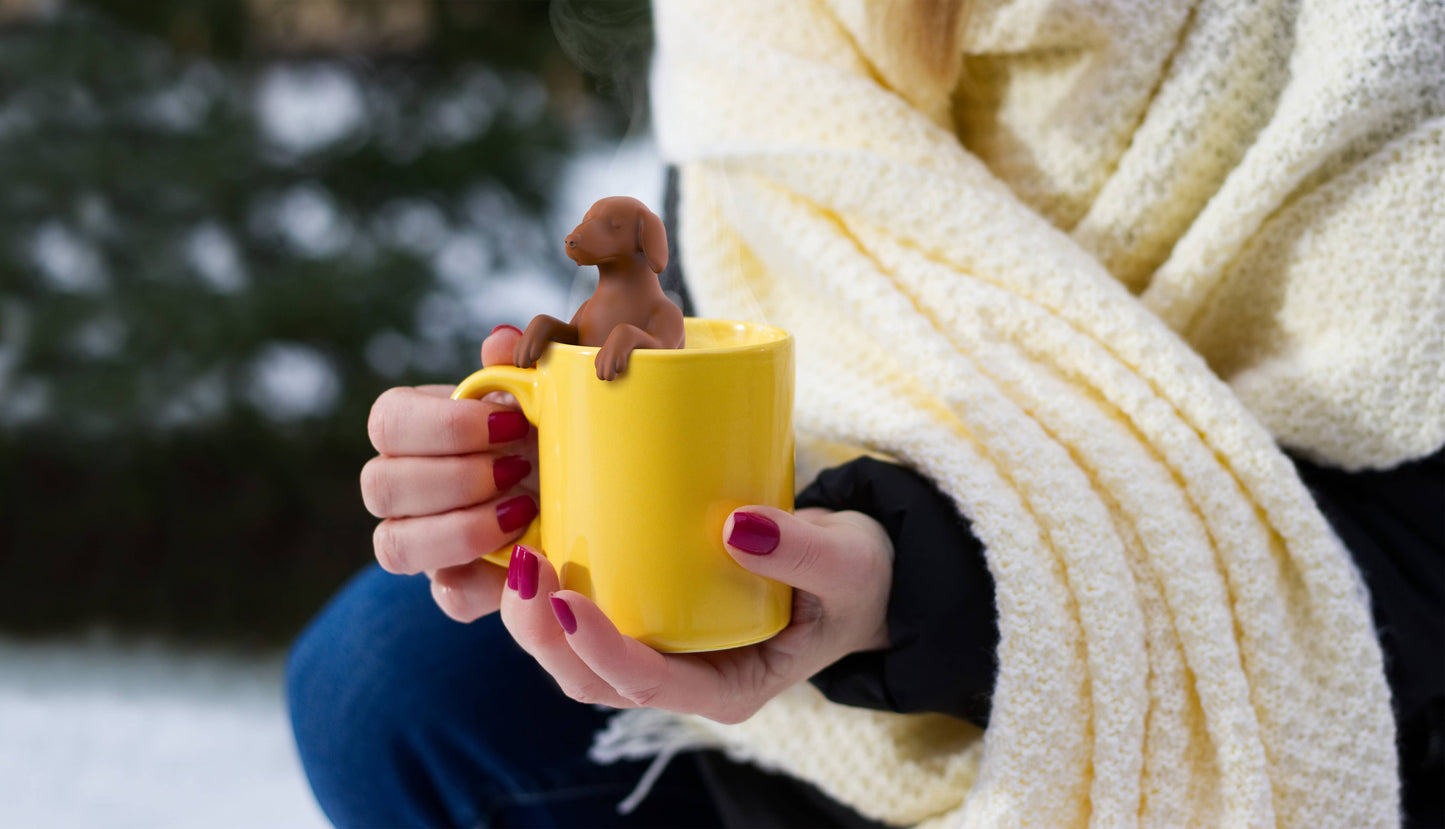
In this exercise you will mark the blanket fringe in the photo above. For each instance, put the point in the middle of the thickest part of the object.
(647, 732)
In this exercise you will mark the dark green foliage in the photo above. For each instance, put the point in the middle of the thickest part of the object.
(159, 249)
(235, 533)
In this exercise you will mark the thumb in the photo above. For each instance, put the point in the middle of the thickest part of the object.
(829, 554)
(497, 347)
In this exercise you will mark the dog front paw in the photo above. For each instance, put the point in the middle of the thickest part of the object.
(612, 361)
(534, 342)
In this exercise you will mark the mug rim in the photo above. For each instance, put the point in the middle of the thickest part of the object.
(777, 337)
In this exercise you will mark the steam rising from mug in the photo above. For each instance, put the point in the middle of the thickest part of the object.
(612, 42)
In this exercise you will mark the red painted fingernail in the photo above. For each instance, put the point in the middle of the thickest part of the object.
(527, 574)
(516, 513)
(504, 325)
(753, 534)
(508, 470)
(504, 427)
(564, 614)
(517, 552)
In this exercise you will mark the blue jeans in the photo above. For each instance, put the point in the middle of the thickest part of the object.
(404, 717)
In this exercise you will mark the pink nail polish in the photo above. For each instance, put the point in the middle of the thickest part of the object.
(505, 427)
(527, 574)
(517, 552)
(506, 326)
(753, 534)
(515, 513)
(564, 614)
(508, 470)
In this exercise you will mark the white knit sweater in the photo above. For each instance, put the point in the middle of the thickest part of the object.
(1088, 299)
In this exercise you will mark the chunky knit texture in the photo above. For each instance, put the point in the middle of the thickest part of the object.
(1088, 298)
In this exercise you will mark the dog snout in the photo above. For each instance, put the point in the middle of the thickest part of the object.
(571, 240)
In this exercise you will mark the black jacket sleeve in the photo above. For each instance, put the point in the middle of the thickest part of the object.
(1393, 524)
(942, 627)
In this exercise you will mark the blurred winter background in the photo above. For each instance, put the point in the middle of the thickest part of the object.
(225, 227)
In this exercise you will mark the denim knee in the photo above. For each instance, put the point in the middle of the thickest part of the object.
(353, 697)
(404, 717)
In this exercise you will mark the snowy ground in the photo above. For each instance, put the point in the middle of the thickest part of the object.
(106, 734)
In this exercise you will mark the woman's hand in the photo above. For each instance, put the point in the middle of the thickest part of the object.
(839, 563)
(455, 478)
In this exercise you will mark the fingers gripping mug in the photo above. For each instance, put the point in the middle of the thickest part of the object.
(639, 473)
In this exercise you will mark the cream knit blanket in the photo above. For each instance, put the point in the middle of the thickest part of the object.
(1155, 196)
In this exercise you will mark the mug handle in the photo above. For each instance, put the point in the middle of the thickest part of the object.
(521, 383)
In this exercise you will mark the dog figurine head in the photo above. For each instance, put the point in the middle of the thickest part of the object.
(619, 230)
(629, 309)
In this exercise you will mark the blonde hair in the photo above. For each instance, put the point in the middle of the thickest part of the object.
(930, 30)
(915, 46)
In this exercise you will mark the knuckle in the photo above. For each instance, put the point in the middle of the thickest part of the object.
(377, 422)
(376, 489)
(811, 554)
(388, 549)
(456, 423)
(479, 530)
(586, 692)
(642, 696)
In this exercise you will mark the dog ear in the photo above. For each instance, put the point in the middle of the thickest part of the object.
(652, 239)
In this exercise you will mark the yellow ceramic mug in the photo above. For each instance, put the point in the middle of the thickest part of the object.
(639, 473)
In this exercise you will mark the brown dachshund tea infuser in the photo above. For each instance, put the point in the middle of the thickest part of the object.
(628, 244)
